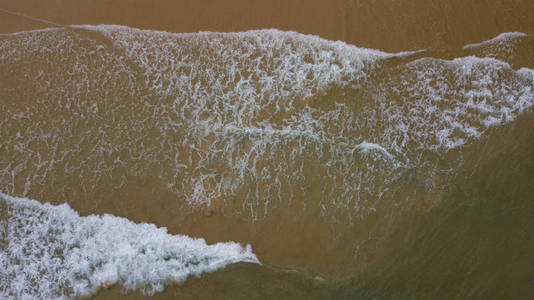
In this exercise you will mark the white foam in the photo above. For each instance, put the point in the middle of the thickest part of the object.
(368, 147)
(502, 47)
(446, 104)
(51, 252)
(205, 113)
(501, 38)
(51, 29)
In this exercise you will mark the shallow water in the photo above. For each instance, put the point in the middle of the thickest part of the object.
(386, 174)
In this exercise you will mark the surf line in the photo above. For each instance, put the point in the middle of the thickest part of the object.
(30, 17)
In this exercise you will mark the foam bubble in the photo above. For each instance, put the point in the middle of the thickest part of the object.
(52, 252)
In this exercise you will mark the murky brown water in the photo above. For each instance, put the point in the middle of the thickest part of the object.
(351, 164)
(385, 24)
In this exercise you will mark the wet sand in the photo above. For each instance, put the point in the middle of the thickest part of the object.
(385, 24)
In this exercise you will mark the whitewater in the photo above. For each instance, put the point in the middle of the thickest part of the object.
(255, 128)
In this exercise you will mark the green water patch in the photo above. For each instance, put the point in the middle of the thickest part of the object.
(479, 242)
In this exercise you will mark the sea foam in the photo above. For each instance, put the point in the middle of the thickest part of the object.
(50, 252)
(241, 119)
(249, 121)
(501, 39)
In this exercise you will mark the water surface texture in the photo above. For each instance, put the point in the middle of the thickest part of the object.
(348, 172)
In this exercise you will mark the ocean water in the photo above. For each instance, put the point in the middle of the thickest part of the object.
(53, 252)
(347, 172)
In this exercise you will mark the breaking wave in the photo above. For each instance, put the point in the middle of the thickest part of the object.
(52, 252)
